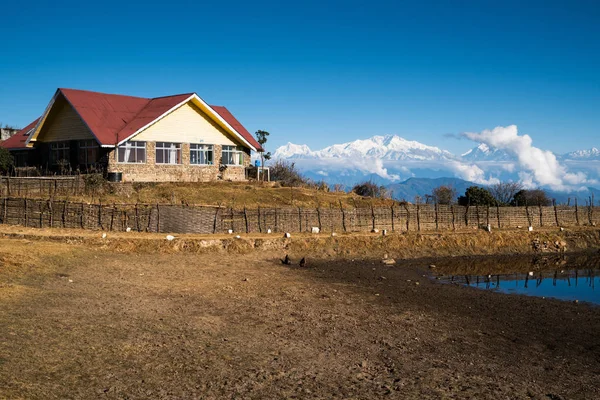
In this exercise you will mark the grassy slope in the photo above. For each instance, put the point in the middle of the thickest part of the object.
(235, 194)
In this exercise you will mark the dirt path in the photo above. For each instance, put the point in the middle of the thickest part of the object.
(80, 322)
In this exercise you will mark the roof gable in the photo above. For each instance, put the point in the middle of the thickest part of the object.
(114, 119)
(19, 139)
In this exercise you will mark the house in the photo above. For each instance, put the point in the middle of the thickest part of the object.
(172, 138)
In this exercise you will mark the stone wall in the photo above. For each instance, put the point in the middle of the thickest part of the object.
(184, 172)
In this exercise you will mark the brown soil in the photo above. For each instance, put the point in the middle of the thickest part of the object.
(82, 321)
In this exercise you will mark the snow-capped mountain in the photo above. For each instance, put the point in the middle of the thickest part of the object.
(392, 159)
(485, 153)
(390, 147)
(590, 154)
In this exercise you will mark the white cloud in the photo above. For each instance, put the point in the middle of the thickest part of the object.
(538, 167)
(471, 172)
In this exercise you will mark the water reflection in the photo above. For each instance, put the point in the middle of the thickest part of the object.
(564, 278)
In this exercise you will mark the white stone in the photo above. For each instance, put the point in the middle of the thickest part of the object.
(230, 231)
(104, 236)
(384, 232)
(170, 237)
(530, 229)
(315, 229)
(333, 234)
(269, 230)
(562, 229)
(238, 237)
(128, 229)
(287, 235)
(488, 228)
(530, 273)
(375, 231)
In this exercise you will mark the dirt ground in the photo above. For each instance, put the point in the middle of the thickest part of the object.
(83, 322)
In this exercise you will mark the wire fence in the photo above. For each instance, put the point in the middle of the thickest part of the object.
(400, 217)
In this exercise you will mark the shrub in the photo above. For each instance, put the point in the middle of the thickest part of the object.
(6, 160)
(444, 194)
(287, 175)
(369, 189)
(477, 196)
(535, 197)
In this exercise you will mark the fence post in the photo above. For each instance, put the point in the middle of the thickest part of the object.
(407, 217)
(112, 216)
(555, 212)
(246, 219)
(435, 207)
(137, 218)
(8, 186)
(299, 220)
(498, 214)
(541, 215)
(477, 212)
(487, 215)
(233, 226)
(214, 222)
(418, 218)
(453, 221)
(51, 208)
(319, 217)
(81, 217)
(467, 213)
(259, 227)
(26, 218)
(392, 217)
(276, 220)
(576, 212)
(64, 213)
(527, 213)
(41, 207)
(100, 214)
(5, 209)
(343, 216)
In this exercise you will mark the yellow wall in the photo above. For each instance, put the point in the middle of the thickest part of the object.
(64, 124)
(187, 124)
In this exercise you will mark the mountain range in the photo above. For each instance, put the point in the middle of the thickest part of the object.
(392, 161)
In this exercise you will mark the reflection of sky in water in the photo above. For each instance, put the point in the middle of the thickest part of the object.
(582, 285)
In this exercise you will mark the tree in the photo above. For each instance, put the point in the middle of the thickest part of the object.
(535, 197)
(6, 160)
(504, 192)
(444, 194)
(262, 137)
(477, 196)
(286, 173)
(369, 189)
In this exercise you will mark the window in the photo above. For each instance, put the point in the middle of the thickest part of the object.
(59, 151)
(233, 155)
(201, 154)
(132, 152)
(168, 153)
(88, 152)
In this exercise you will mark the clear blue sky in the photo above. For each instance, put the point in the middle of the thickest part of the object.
(323, 72)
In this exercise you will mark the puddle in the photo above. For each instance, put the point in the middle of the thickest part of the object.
(564, 278)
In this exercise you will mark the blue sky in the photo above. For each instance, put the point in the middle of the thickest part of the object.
(323, 72)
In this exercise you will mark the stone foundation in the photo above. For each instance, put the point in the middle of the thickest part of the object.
(184, 172)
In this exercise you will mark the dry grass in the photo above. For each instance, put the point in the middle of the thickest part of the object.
(228, 194)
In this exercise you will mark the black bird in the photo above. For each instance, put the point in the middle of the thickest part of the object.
(303, 262)
(286, 260)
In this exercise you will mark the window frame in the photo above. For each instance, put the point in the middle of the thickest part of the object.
(167, 151)
(132, 145)
(84, 146)
(63, 148)
(233, 150)
(200, 148)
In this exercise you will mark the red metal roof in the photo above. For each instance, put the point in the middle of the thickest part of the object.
(17, 141)
(231, 120)
(113, 118)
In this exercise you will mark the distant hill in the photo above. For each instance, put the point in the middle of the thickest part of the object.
(412, 187)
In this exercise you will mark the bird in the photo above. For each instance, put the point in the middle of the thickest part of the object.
(303, 262)
(286, 260)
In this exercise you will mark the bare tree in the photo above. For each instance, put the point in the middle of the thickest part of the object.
(504, 192)
(444, 194)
